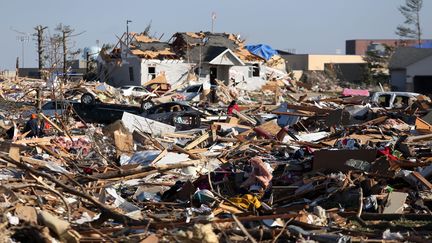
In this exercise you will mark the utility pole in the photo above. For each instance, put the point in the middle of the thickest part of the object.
(87, 62)
(22, 39)
(65, 33)
(40, 49)
(127, 32)
(213, 17)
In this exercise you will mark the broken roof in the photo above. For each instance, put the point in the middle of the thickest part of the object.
(196, 46)
(405, 56)
(151, 48)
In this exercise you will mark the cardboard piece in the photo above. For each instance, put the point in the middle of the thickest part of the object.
(123, 142)
(395, 202)
(26, 213)
(334, 160)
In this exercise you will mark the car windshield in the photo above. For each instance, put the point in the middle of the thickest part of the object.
(193, 89)
(125, 87)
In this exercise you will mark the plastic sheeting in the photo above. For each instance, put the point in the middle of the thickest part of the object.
(262, 50)
(427, 44)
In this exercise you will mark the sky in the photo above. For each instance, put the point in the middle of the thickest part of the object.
(308, 26)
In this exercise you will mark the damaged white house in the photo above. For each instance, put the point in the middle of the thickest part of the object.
(210, 56)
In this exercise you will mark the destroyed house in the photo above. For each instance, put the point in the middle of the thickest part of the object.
(211, 56)
(137, 59)
(220, 56)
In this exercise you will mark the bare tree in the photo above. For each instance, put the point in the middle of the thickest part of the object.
(66, 32)
(411, 28)
(40, 46)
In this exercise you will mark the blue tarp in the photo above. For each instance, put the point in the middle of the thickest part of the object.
(262, 50)
(427, 44)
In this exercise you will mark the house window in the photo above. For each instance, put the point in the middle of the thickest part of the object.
(254, 71)
(152, 72)
(131, 74)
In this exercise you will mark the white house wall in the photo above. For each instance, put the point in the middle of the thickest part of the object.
(175, 70)
(118, 75)
(241, 76)
(420, 68)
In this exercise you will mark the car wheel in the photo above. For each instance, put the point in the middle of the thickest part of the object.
(88, 99)
(147, 104)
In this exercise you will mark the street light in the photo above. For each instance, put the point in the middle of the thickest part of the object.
(22, 39)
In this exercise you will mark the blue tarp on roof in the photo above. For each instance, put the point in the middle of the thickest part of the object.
(262, 50)
(427, 44)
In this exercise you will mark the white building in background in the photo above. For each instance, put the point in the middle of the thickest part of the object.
(210, 56)
(411, 70)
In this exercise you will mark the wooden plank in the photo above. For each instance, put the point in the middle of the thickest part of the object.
(198, 150)
(181, 150)
(293, 113)
(14, 153)
(245, 117)
(51, 123)
(178, 135)
(159, 157)
(197, 141)
(271, 127)
(233, 120)
(423, 180)
(418, 138)
(44, 140)
(231, 125)
(374, 121)
(309, 108)
(214, 132)
(422, 125)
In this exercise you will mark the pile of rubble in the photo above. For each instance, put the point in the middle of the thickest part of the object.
(312, 169)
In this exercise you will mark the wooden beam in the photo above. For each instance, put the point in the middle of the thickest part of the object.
(182, 150)
(197, 141)
(51, 123)
(423, 180)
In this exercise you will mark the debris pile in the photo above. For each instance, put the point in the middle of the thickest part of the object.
(311, 169)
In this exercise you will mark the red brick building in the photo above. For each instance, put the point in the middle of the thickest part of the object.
(359, 47)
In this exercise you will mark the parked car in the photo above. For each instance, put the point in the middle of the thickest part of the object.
(180, 115)
(392, 100)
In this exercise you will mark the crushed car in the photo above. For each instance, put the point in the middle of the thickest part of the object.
(178, 114)
(393, 100)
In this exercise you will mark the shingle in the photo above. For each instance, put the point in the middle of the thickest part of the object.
(405, 56)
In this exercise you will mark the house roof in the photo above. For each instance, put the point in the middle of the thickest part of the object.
(405, 56)
(205, 46)
(217, 57)
(146, 47)
(212, 52)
